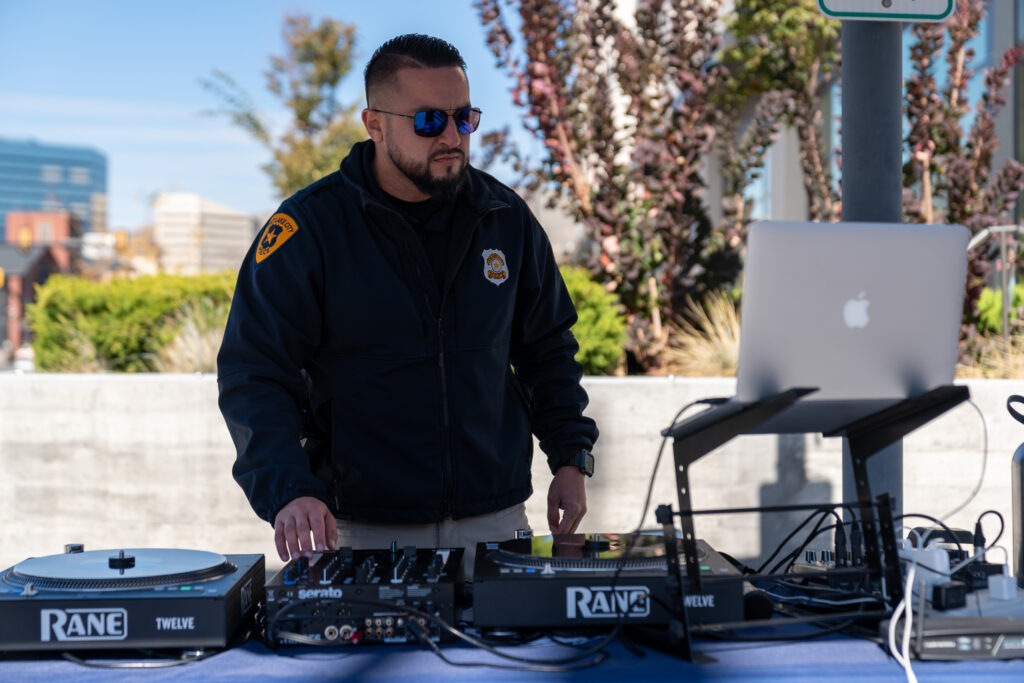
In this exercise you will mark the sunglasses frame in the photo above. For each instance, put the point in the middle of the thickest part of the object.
(421, 118)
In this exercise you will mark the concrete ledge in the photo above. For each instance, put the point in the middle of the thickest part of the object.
(144, 461)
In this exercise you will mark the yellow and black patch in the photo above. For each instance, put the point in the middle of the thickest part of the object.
(279, 228)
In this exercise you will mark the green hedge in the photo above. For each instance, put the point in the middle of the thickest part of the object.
(79, 325)
(601, 328)
(121, 326)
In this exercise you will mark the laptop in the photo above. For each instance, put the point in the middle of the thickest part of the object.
(869, 313)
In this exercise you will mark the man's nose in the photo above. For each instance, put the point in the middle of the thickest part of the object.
(450, 135)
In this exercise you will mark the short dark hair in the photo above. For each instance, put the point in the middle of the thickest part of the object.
(410, 50)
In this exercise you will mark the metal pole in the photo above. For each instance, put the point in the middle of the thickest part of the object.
(872, 147)
(1007, 295)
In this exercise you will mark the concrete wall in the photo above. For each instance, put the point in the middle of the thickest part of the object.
(144, 461)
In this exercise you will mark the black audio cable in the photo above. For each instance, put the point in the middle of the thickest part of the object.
(596, 653)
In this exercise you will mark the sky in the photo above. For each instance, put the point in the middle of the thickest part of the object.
(123, 77)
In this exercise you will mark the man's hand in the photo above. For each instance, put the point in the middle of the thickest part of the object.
(568, 493)
(299, 519)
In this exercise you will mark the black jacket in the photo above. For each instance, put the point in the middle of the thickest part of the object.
(429, 400)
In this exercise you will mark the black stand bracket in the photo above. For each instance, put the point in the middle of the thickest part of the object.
(697, 436)
(868, 436)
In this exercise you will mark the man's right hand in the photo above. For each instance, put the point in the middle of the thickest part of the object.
(300, 519)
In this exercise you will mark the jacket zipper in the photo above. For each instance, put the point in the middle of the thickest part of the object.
(448, 467)
(448, 471)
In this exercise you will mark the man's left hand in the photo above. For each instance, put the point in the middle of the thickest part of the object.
(567, 493)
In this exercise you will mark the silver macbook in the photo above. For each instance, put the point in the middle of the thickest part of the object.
(867, 312)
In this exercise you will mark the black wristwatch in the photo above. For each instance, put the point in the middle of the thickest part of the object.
(584, 461)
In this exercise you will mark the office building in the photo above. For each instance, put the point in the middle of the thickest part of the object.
(194, 234)
(43, 177)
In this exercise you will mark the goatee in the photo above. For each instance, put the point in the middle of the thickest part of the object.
(445, 188)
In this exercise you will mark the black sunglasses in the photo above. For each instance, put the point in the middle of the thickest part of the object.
(432, 122)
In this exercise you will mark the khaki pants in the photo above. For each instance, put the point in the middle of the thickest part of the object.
(450, 533)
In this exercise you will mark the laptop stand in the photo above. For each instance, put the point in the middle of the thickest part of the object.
(695, 438)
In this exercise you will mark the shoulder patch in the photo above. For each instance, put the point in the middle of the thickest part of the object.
(279, 228)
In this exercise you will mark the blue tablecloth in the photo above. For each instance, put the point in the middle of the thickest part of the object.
(837, 658)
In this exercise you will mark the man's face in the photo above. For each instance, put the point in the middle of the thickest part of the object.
(435, 166)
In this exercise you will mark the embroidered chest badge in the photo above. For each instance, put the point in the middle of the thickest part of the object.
(495, 269)
(279, 228)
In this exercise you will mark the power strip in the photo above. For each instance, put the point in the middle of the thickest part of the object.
(932, 564)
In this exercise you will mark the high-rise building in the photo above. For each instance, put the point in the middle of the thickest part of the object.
(195, 234)
(43, 177)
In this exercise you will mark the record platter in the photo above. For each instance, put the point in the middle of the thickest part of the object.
(570, 580)
(128, 598)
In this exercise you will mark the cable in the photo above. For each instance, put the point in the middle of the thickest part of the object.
(186, 657)
(933, 520)
(900, 655)
(601, 656)
(559, 664)
(788, 538)
(984, 463)
(621, 564)
(977, 556)
(805, 599)
(661, 449)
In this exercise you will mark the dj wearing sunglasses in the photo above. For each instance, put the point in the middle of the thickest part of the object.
(399, 334)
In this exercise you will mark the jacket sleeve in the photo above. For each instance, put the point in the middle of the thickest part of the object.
(544, 349)
(272, 330)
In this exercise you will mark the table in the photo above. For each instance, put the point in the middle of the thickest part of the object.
(835, 658)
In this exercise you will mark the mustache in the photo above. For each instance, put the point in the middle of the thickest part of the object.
(448, 152)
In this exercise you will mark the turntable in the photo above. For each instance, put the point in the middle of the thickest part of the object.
(570, 580)
(128, 598)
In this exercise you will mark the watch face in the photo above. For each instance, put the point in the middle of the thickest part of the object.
(585, 461)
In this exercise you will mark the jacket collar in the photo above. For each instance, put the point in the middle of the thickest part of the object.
(356, 170)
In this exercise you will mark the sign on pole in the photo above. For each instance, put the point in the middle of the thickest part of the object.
(888, 10)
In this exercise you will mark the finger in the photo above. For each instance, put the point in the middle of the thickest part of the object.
(302, 531)
(574, 523)
(553, 517)
(282, 548)
(316, 527)
(571, 517)
(290, 538)
(331, 531)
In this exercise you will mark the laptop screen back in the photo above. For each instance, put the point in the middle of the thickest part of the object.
(860, 310)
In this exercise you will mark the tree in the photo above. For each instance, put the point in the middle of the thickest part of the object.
(789, 50)
(948, 176)
(628, 116)
(321, 130)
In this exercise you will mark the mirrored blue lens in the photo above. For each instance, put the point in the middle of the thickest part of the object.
(431, 123)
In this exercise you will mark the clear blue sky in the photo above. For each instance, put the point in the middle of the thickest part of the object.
(123, 77)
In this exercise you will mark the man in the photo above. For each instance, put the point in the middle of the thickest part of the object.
(404, 318)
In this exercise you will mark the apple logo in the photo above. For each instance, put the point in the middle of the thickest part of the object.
(855, 312)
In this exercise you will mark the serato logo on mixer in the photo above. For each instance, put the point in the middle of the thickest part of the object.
(601, 602)
(318, 593)
(101, 623)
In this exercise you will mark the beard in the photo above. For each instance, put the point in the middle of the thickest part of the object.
(444, 188)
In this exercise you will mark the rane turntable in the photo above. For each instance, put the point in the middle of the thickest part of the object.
(567, 580)
(130, 598)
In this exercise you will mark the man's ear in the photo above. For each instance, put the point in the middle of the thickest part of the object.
(373, 122)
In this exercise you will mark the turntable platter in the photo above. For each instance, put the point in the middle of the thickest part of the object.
(585, 552)
(119, 569)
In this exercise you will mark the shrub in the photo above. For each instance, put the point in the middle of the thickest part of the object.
(990, 309)
(707, 343)
(83, 326)
(601, 328)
